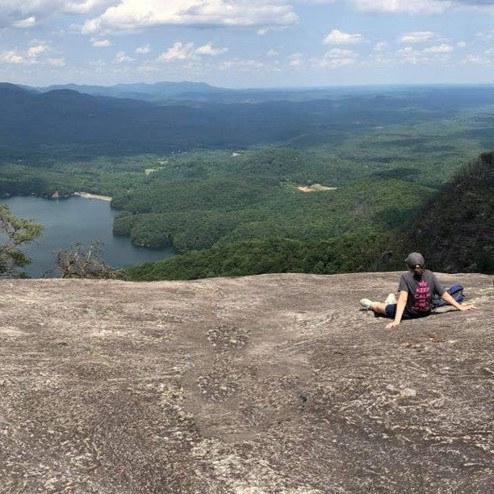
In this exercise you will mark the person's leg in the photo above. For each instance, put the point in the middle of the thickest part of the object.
(376, 307)
(379, 308)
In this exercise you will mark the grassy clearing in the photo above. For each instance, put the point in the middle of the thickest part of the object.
(315, 188)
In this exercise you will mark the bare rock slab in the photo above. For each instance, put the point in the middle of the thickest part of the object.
(257, 385)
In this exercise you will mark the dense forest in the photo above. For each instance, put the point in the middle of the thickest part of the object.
(346, 253)
(225, 210)
(455, 228)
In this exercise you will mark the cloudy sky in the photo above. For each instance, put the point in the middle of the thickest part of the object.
(247, 43)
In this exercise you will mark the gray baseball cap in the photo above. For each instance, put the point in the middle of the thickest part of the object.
(415, 258)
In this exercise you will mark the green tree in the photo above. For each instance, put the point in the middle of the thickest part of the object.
(14, 233)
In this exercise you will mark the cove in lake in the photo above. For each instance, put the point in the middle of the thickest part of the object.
(77, 220)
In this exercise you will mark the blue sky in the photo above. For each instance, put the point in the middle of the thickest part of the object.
(247, 43)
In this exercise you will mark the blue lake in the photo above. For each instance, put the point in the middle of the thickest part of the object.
(77, 220)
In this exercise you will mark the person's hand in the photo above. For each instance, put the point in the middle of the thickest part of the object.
(467, 307)
(392, 324)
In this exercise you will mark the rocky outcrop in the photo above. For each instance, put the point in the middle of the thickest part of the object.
(267, 384)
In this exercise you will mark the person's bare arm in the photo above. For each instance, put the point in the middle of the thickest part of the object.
(400, 308)
(451, 301)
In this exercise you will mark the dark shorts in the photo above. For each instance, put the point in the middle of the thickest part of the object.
(391, 312)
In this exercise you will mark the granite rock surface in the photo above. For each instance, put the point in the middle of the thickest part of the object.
(258, 385)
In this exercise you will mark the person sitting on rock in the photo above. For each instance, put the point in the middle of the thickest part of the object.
(417, 288)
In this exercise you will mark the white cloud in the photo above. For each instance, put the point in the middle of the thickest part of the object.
(410, 56)
(122, 57)
(136, 14)
(432, 54)
(143, 50)
(295, 59)
(56, 62)
(179, 51)
(380, 46)
(340, 52)
(406, 6)
(31, 56)
(476, 60)
(187, 51)
(26, 13)
(101, 43)
(461, 44)
(272, 53)
(442, 48)
(243, 65)
(416, 6)
(85, 6)
(12, 57)
(480, 5)
(378, 58)
(417, 37)
(488, 36)
(336, 58)
(210, 51)
(272, 29)
(36, 50)
(337, 37)
(25, 23)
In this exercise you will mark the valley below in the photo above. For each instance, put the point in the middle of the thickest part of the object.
(336, 177)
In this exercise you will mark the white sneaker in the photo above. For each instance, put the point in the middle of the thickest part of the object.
(366, 303)
(390, 299)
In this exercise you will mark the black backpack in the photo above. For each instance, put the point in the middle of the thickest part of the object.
(456, 291)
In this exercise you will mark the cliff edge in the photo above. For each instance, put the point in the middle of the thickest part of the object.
(257, 385)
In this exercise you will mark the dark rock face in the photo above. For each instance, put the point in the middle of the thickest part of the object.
(267, 384)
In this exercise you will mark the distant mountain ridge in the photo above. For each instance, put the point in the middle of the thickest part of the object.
(201, 92)
(150, 92)
(185, 91)
(33, 121)
(29, 119)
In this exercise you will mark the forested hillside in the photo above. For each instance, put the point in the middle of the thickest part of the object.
(259, 197)
(455, 229)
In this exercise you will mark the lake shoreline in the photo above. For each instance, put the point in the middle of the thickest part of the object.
(71, 220)
(97, 197)
(56, 196)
